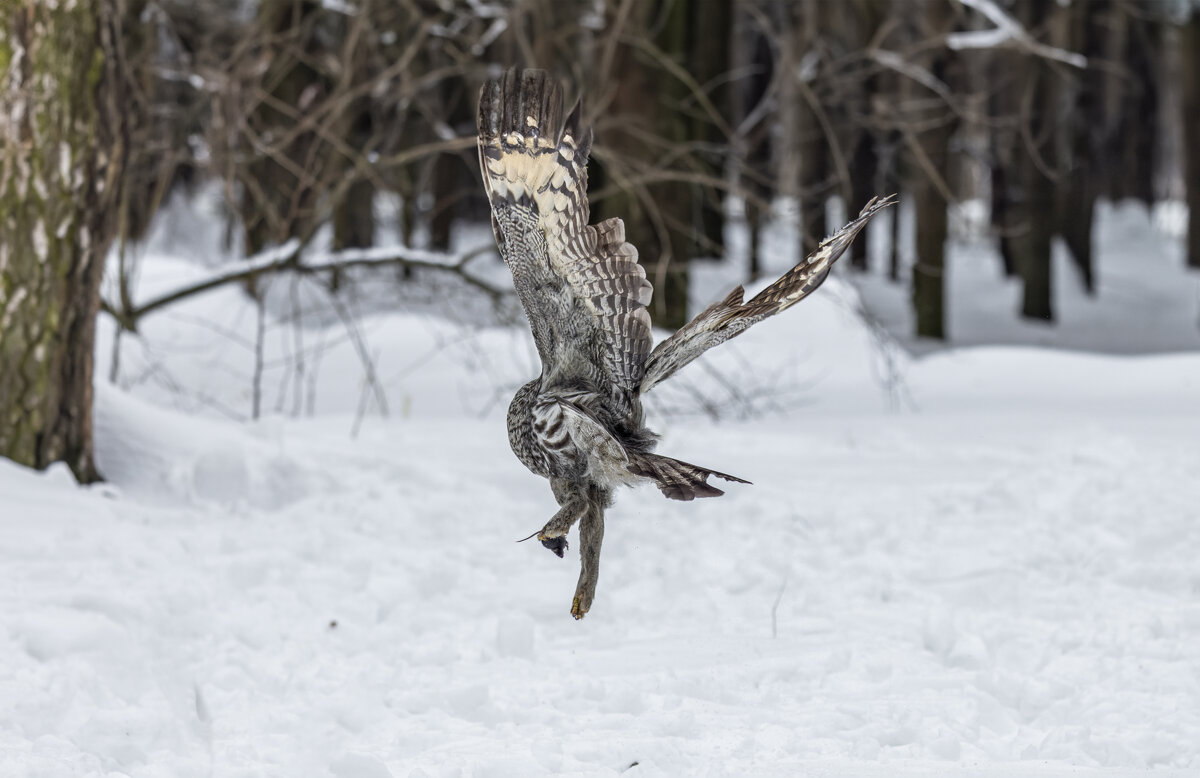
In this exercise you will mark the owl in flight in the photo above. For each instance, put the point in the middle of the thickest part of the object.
(580, 423)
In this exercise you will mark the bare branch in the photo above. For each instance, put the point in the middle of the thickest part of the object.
(1007, 31)
(288, 258)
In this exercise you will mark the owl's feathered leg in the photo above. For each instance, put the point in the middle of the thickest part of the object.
(585, 504)
(591, 538)
(572, 505)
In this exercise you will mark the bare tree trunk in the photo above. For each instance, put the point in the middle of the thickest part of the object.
(929, 269)
(1001, 218)
(621, 152)
(1029, 99)
(1033, 209)
(1135, 139)
(1076, 208)
(1031, 246)
(62, 158)
(932, 144)
(864, 165)
(278, 184)
(894, 248)
(752, 55)
(1077, 189)
(1189, 51)
(443, 181)
(1004, 104)
(354, 217)
(649, 119)
(791, 104)
(1044, 119)
(813, 149)
(860, 21)
(709, 48)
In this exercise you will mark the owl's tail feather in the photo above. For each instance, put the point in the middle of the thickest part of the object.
(678, 480)
(731, 317)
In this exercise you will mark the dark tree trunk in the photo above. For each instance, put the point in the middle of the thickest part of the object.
(814, 181)
(860, 22)
(752, 54)
(930, 206)
(1136, 136)
(353, 223)
(1001, 219)
(452, 175)
(1076, 210)
(444, 182)
(709, 49)
(1189, 50)
(754, 225)
(929, 270)
(894, 248)
(354, 217)
(664, 220)
(63, 158)
(803, 153)
(1033, 209)
(648, 210)
(1006, 148)
(1028, 97)
(278, 198)
(863, 168)
(1077, 190)
(1031, 246)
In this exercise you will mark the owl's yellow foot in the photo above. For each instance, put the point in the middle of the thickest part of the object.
(577, 609)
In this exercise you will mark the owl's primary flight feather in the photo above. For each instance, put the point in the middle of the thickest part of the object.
(580, 423)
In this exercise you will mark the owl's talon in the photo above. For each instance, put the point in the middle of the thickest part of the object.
(558, 545)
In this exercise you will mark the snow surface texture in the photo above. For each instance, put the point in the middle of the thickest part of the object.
(998, 577)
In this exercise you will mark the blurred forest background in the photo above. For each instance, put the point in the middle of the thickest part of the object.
(322, 122)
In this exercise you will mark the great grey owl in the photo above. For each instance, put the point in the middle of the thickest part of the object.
(580, 423)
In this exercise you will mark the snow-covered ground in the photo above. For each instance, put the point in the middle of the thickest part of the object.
(981, 562)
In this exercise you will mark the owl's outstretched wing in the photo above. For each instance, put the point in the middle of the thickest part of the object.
(730, 317)
(581, 285)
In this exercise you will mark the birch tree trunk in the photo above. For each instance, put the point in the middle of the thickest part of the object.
(62, 158)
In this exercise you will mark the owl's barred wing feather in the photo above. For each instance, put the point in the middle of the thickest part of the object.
(731, 317)
(581, 286)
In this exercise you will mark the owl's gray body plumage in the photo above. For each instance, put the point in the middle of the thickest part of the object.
(580, 423)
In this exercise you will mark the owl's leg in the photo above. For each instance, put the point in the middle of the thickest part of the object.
(573, 504)
(591, 536)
